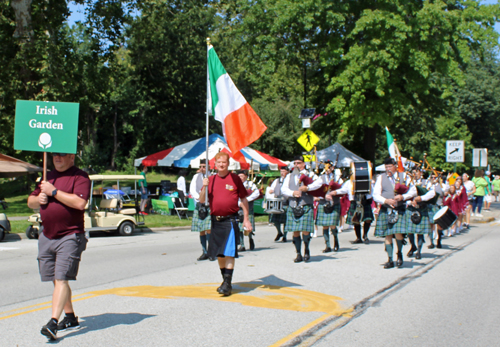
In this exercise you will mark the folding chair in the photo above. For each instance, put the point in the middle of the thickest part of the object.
(179, 208)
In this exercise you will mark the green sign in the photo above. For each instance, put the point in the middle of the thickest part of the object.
(46, 126)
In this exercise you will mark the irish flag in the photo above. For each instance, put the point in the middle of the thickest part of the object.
(391, 144)
(240, 124)
(394, 150)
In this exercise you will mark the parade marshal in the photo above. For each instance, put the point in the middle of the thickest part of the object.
(224, 191)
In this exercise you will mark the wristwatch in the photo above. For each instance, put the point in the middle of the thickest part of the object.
(54, 192)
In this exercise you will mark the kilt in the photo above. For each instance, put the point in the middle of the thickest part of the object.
(424, 227)
(279, 218)
(383, 228)
(304, 223)
(367, 213)
(432, 211)
(199, 225)
(252, 220)
(328, 219)
(224, 239)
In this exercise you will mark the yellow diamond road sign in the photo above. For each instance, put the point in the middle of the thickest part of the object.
(308, 139)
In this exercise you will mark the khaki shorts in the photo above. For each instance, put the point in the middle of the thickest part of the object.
(59, 259)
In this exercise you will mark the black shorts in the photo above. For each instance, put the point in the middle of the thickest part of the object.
(59, 259)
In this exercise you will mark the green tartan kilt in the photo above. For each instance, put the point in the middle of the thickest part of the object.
(304, 223)
(383, 228)
(279, 218)
(328, 219)
(433, 209)
(424, 227)
(252, 220)
(367, 213)
(199, 225)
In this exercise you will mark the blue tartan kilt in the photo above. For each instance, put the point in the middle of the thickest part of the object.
(199, 225)
(424, 227)
(304, 223)
(367, 213)
(279, 218)
(383, 228)
(328, 219)
(252, 220)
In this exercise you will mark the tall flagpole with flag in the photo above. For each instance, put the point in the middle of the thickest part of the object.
(394, 150)
(207, 163)
(240, 124)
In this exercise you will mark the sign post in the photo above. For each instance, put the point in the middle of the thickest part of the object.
(42, 126)
(480, 157)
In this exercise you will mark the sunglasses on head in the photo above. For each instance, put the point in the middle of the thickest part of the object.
(59, 154)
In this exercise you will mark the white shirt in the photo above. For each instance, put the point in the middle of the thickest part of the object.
(195, 193)
(273, 187)
(285, 188)
(255, 191)
(181, 184)
(377, 190)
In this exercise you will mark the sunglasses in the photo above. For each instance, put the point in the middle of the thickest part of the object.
(59, 154)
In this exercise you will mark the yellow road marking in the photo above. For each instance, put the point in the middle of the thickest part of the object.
(43, 305)
(300, 331)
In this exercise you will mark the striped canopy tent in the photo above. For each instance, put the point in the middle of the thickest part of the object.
(189, 155)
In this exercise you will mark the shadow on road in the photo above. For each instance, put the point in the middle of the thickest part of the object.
(104, 321)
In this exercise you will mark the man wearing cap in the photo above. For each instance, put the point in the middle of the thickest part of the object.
(280, 218)
(391, 220)
(253, 194)
(300, 213)
(200, 224)
(225, 189)
(61, 199)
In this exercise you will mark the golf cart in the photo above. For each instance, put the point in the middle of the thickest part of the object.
(4, 221)
(114, 212)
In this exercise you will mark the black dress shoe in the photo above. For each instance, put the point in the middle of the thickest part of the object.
(431, 246)
(241, 249)
(356, 241)
(284, 239)
(298, 259)
(226, 287)
(389, 265)
(399, 262)
(278, 237)
(418, 255)
(439, 245)
(366, 240)
(327, 250)
(252, 245)
(410, 252)
(211, 258)
(336, 246)
(307, 256)
(204, 256)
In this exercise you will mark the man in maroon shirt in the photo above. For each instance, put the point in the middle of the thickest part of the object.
(224, 190)
(61, 200)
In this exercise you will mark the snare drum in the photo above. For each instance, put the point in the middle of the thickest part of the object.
(274, 206)
(361, 177)
(445, 218)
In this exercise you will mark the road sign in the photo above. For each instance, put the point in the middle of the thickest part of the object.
(46, 126)
(480, 157)
(308, 139)
(309, 158)
(455, 151)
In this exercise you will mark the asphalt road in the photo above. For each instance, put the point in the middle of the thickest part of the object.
(149, 290)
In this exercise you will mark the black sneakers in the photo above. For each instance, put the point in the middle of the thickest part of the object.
(68, 324)
(50, 330)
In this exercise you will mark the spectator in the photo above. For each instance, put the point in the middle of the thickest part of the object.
(181, 185)
(470, 188)
(143, 185)
(496, 187)
(481, 190)
(489, 196)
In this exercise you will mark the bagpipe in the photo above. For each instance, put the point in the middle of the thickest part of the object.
(325, 188)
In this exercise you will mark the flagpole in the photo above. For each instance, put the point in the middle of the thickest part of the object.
(207, 164)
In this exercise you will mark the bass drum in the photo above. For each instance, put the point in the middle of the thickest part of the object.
(361, 177)
(444, 218)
